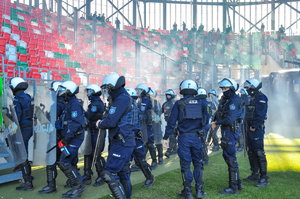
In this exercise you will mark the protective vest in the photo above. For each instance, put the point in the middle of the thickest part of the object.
(189, 109)
(168, 108)
(250, 110)
(27, 108)
(130, 116)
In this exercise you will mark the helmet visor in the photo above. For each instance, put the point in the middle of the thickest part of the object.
(61, 91)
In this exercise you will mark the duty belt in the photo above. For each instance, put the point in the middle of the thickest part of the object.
(188, 133)
(223, 127)
(23, 126)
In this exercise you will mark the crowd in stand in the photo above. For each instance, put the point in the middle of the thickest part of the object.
(101, 18)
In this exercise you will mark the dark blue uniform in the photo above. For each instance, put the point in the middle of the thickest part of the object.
(190, 147)
(256, 112)
(24, 112)
(145, 106)
(73, 117)
(119, 122)
(231, 112)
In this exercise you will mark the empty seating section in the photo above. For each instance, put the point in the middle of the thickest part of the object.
(37, 48)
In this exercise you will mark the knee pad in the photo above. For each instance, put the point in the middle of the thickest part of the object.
(108, 177)
(198, 165)
(185, 165)
(64, 166)
(260, 153)
(230, 162)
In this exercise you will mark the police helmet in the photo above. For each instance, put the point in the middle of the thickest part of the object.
(142, 89)
(152, 91)
(54, 86)
(201, 91)
(131, 91)
(252, 83)
(171, 93)
(18, 84)
(113, 82)
(229, 83)
(188, 87)
(67, 89)
(93, 90)
(213, 92)
(243, 91)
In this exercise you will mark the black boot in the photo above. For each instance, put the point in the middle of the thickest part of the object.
(51, 176)
(186, 193)
(153, 156)
(172, 145)
(26, 172)
(145, 167)
(239, 181)
(160, 153)
(100, 164)
(72, 174)
(253, 166)
(233, 173)
(115, 186)
(200, 193)
(262, 163)
(199, 184)
(87, 179)
(134, 168)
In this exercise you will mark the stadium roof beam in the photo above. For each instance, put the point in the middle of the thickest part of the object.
(220, 3)
(264, 17)
(65, 8)
(138, 6)
(80, 8)
(245, 18)
(113, 5)
(119, 9)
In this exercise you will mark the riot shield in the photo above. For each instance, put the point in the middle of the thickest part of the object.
(86, 146)
(12, 130)
(214, 100)
(143, 123)
(44, 132)
(156, 124)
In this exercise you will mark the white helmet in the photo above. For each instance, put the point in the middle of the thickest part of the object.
(252, 83)
(188, 87)
(93, 90)
(67, 89)
(229, 83)
(243, 91)
(131, 91)
(113, 82)
(152, 91)
(201, 91)
(17, 84)
(171, 92)
(143, 87)
(54, 86)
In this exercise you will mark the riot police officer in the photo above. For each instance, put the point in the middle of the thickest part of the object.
(256, 112)
(228, 113)
(51, 169)
(93, 114)
(139, 151)
(191, 114)
(72, 126)
(156, 113)
(213, 108)
(145, 105)
(120, 123)
(202, 95)
(166, 110)
(24, 111)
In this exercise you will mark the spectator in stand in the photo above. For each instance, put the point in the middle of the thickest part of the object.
(228, 29)
(175, 26)
(213, 30)
(102, 18)
(95, 14)
(194, 29)
(218, 30)
(117, 22)
(90, 16)
(98, 17)
(107, 21)
(262, 28)
(159, 28)
(82, 17)
(201, 28)
(242, 32)
(183, 26)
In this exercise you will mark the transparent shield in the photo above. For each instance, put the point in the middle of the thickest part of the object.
(44, 132)
(12, 130)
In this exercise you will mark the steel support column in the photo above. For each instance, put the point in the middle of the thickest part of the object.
(141, 21)
(76, 26)
(88, 8)
(202, 75)
(119, 9)
(273, 16)
(215, 73)
(164, 15)
(36, 3)
(59, 2)
(114, 61)
(224, 15)
(137, 59)
(246, 19)
(194, 13)
(51, 5)
(94, 36)
(44, 11)
(190, 66)
(145, 14)
(233, 19)
(30, 6)
(134, 13)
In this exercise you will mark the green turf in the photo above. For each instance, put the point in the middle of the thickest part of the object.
(283, 165)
